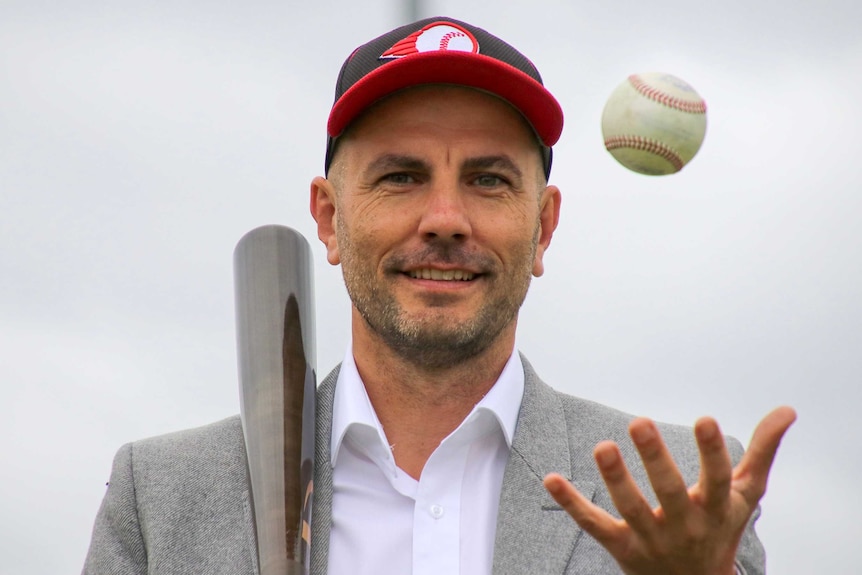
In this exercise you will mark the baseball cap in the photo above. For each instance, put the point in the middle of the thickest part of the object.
(443, 51)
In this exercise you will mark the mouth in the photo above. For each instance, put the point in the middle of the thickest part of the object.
(441, 275)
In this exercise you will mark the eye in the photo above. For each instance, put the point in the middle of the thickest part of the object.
(489, 180)
(399, 178)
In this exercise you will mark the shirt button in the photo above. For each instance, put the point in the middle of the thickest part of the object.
(436, 511)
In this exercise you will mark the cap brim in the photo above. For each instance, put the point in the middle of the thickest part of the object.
(527, 95)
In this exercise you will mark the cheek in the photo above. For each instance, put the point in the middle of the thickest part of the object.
(377, 220)
(365, 236)
(513, 229)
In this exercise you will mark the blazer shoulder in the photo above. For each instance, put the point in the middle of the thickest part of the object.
(187, 463)
(613, 423)
(177, 503)
(216, 439)
(588, 422)
(217, 430)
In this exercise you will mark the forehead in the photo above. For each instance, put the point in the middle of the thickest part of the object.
(416, 116)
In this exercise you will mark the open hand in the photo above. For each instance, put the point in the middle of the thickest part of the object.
(695, 530)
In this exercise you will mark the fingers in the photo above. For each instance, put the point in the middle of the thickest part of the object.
(666, 480)
(753, 469)
(682, 509)
(601, 525)
(624, 492)
(716, 468)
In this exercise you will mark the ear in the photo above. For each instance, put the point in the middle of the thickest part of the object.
(549, 217)
(323, 208)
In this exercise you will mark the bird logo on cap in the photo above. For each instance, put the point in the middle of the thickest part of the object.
(434, 37)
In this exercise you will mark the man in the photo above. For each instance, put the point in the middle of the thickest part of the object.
(439, 449)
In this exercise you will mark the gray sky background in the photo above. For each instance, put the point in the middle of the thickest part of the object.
(140, 141)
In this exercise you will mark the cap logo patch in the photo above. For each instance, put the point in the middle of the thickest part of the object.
(439, 36)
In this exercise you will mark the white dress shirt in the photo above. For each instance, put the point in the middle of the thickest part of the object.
(384, 522)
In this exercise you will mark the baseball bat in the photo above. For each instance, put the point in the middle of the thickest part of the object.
(277, 378)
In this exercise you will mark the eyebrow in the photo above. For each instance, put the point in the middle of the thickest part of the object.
(487, 162)
(389, 162)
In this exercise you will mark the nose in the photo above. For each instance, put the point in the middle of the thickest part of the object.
(445, 215)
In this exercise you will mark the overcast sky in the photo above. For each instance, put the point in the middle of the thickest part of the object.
(140, 140)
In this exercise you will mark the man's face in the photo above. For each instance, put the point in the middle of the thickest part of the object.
(438, 213)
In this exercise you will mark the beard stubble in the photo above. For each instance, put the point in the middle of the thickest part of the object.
(433, 339)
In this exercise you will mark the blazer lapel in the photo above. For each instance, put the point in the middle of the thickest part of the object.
(534, 534)
(321, 512)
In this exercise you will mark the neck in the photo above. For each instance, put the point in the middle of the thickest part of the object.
(418, 406)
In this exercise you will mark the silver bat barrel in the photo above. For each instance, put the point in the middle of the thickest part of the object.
(277, 380)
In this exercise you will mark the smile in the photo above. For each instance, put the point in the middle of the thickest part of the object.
(441, 275)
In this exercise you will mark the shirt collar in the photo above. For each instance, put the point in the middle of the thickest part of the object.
(353, 414)
(351, 409)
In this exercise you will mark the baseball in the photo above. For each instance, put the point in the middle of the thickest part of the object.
(654, 123)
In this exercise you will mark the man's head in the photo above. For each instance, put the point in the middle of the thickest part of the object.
(442, 51)
(438, 211)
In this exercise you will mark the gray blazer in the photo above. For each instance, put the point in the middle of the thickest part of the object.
(179, 503)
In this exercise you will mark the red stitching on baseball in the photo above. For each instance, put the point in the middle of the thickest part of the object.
(645, 145)
(444, 41)
(666, 99)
